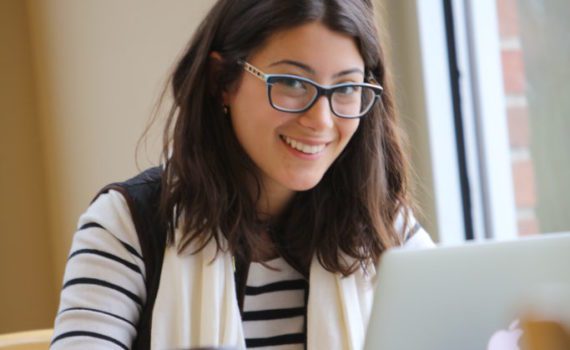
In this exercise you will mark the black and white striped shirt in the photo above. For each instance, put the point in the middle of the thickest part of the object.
(274, 306)
(104, 283)
(104, 291)
(104, 288)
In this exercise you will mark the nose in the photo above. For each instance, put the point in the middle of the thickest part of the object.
(319, 116)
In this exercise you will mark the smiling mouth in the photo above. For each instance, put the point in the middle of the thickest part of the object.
(301, 147)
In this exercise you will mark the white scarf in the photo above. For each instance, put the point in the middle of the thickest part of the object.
(196, 304)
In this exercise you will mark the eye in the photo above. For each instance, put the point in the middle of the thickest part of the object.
(348, 89)
(291, 83)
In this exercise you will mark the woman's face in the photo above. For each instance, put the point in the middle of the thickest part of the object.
(311, 51)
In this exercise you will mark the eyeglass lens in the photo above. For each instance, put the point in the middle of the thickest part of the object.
(290, 94)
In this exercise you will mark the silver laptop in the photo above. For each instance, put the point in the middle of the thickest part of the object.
(468, 297)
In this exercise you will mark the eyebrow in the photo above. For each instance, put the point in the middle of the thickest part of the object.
(312, 71)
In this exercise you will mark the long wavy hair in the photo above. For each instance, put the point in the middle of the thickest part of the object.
(348, 218)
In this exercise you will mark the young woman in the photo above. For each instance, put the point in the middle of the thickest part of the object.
(283, 182)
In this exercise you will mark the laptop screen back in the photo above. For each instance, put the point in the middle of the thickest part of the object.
(461, 297)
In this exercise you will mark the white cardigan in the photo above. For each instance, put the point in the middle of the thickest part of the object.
(196, 303)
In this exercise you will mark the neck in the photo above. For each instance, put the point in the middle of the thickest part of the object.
(273, 200)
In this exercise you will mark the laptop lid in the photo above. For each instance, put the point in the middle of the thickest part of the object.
(461, 297)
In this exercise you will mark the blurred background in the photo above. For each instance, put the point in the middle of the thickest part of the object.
(482, 87)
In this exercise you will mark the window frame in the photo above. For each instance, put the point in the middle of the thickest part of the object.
(483, 114)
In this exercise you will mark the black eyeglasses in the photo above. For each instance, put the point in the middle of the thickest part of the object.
(294, 94)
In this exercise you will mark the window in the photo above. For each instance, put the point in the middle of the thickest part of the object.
(531, 37)
(484, 95)
(535, 51)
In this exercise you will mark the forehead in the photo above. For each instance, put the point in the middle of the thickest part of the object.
(313, 44)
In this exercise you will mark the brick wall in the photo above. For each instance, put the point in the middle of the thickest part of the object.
(518, 117)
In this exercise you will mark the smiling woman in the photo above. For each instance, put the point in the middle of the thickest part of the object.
(267, 134)
(282, 174)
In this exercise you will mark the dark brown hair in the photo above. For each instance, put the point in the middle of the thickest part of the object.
(348, 218)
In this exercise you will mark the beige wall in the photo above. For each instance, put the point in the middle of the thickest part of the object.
(404, 53)
(100, 66)
(79, 82)
(27, 296)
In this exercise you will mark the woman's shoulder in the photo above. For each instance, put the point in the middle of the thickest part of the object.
(104, 281)
(118, 206)
(421, 239)
(412, 233)
(109, 212)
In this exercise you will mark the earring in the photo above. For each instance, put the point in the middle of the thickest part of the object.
(226, 110)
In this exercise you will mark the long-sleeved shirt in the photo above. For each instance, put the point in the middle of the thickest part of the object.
(104, 291)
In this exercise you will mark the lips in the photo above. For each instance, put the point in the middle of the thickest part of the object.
(303, 147)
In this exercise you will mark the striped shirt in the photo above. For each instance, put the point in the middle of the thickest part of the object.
(274, 306)
(104, 283)
(104, 291)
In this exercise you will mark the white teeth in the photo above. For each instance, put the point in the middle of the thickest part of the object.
(303, 147)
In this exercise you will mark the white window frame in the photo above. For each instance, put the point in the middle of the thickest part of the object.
(484, 118)
(440, 121)
(490, 117)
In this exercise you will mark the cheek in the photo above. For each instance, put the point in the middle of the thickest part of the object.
(347, 128)
(252, 125)
(244, 113)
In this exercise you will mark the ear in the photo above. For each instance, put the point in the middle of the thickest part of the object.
(215, 64)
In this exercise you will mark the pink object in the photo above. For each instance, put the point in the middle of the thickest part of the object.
(506, 339)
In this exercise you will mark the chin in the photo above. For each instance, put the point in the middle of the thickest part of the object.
(303, 184)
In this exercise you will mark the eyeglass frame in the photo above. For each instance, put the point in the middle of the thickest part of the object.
(322, 90)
